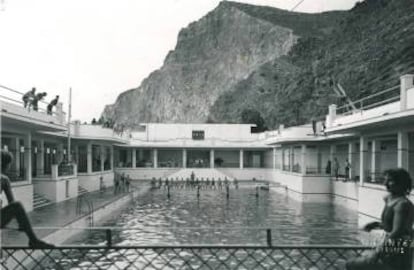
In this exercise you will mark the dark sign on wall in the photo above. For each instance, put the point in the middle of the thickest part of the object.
(198, 134)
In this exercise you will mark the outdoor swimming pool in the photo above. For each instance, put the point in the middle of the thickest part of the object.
(153, 219)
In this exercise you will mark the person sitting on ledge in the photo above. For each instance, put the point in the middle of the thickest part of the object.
(396, 220)
(15, 209)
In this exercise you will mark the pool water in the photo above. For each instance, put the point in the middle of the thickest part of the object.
(155, 219)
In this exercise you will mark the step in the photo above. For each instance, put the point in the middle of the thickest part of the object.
(82, 190)
(40, 201)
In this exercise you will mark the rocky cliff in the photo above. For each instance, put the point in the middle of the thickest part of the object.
(281, 64)
(211, 56)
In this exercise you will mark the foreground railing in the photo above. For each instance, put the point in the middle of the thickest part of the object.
(180, 257)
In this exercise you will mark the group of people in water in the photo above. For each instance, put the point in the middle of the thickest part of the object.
(31, 100)
(193, 183)
(122, 183)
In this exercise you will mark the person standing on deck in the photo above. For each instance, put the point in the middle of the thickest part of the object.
(347, 169)
(27, 98)
(52, 104)
(35, 101)
(336, 168)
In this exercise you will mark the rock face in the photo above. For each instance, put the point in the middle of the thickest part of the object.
(211, 56)
(281, 64)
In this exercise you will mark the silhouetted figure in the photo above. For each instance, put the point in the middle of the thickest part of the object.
(15, 209)
(328, 168)
(35, 101)
(336, 168)
(28, 97)
(347, 169)
(52, 103)
(314, 127)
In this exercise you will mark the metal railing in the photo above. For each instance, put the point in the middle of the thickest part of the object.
(180, 257)
(15, 97)
(65, 169)
(377, 99)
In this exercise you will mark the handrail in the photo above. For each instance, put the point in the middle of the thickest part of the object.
(370, 96)
(18, 92)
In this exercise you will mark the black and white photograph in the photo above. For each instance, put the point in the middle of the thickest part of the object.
(207, 134)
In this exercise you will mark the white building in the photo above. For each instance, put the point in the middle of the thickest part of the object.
(376, 135)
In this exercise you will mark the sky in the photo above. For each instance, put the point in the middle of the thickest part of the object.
(100, 48)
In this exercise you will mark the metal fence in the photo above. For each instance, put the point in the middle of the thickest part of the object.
(65, 169)
(180, 257)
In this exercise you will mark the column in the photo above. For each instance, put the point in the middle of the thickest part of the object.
(76, 154)
(17, 155)
(363, 153)
(351, 149)
(40, 162)
(134, 158)
(211, 158)
(402, 159)
(375, 166)
(102, 156)
(274, 158)
(291, 158)
(112, 158)
(155, 156)
(28, 156)
(184, 158)
(303, 159)
(241, 159)
(406, 82)
(59, 156)
(89, 157)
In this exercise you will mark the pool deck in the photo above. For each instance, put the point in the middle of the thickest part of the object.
(62, 214)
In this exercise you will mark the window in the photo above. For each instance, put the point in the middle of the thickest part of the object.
(198, 134)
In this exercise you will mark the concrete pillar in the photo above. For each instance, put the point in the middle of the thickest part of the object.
(211, 158)
(351, 150)
(89, 157)
(40, 156)
(375, 154)
(59, 155)
(330, 118)
(303, 159)
(102, 156)
(406, 82)
(184, 158)
(291, 158)
(274, 158)
(363, 153)
(28, 156)
(155, 156)
(17, 155)
(134, 158)
(241, 159)
(112, 158)
(402, 158)
(76, 154)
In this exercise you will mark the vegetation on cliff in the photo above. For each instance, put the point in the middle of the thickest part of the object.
(371, 47)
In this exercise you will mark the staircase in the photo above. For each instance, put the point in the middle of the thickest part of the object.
(82, 190)
(39, 201)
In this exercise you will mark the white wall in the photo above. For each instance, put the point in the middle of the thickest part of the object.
(345, 193)
(248, 174)
(55, 190)
(159, 132)
(359, 116)
(146, 173)
(91, 182)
